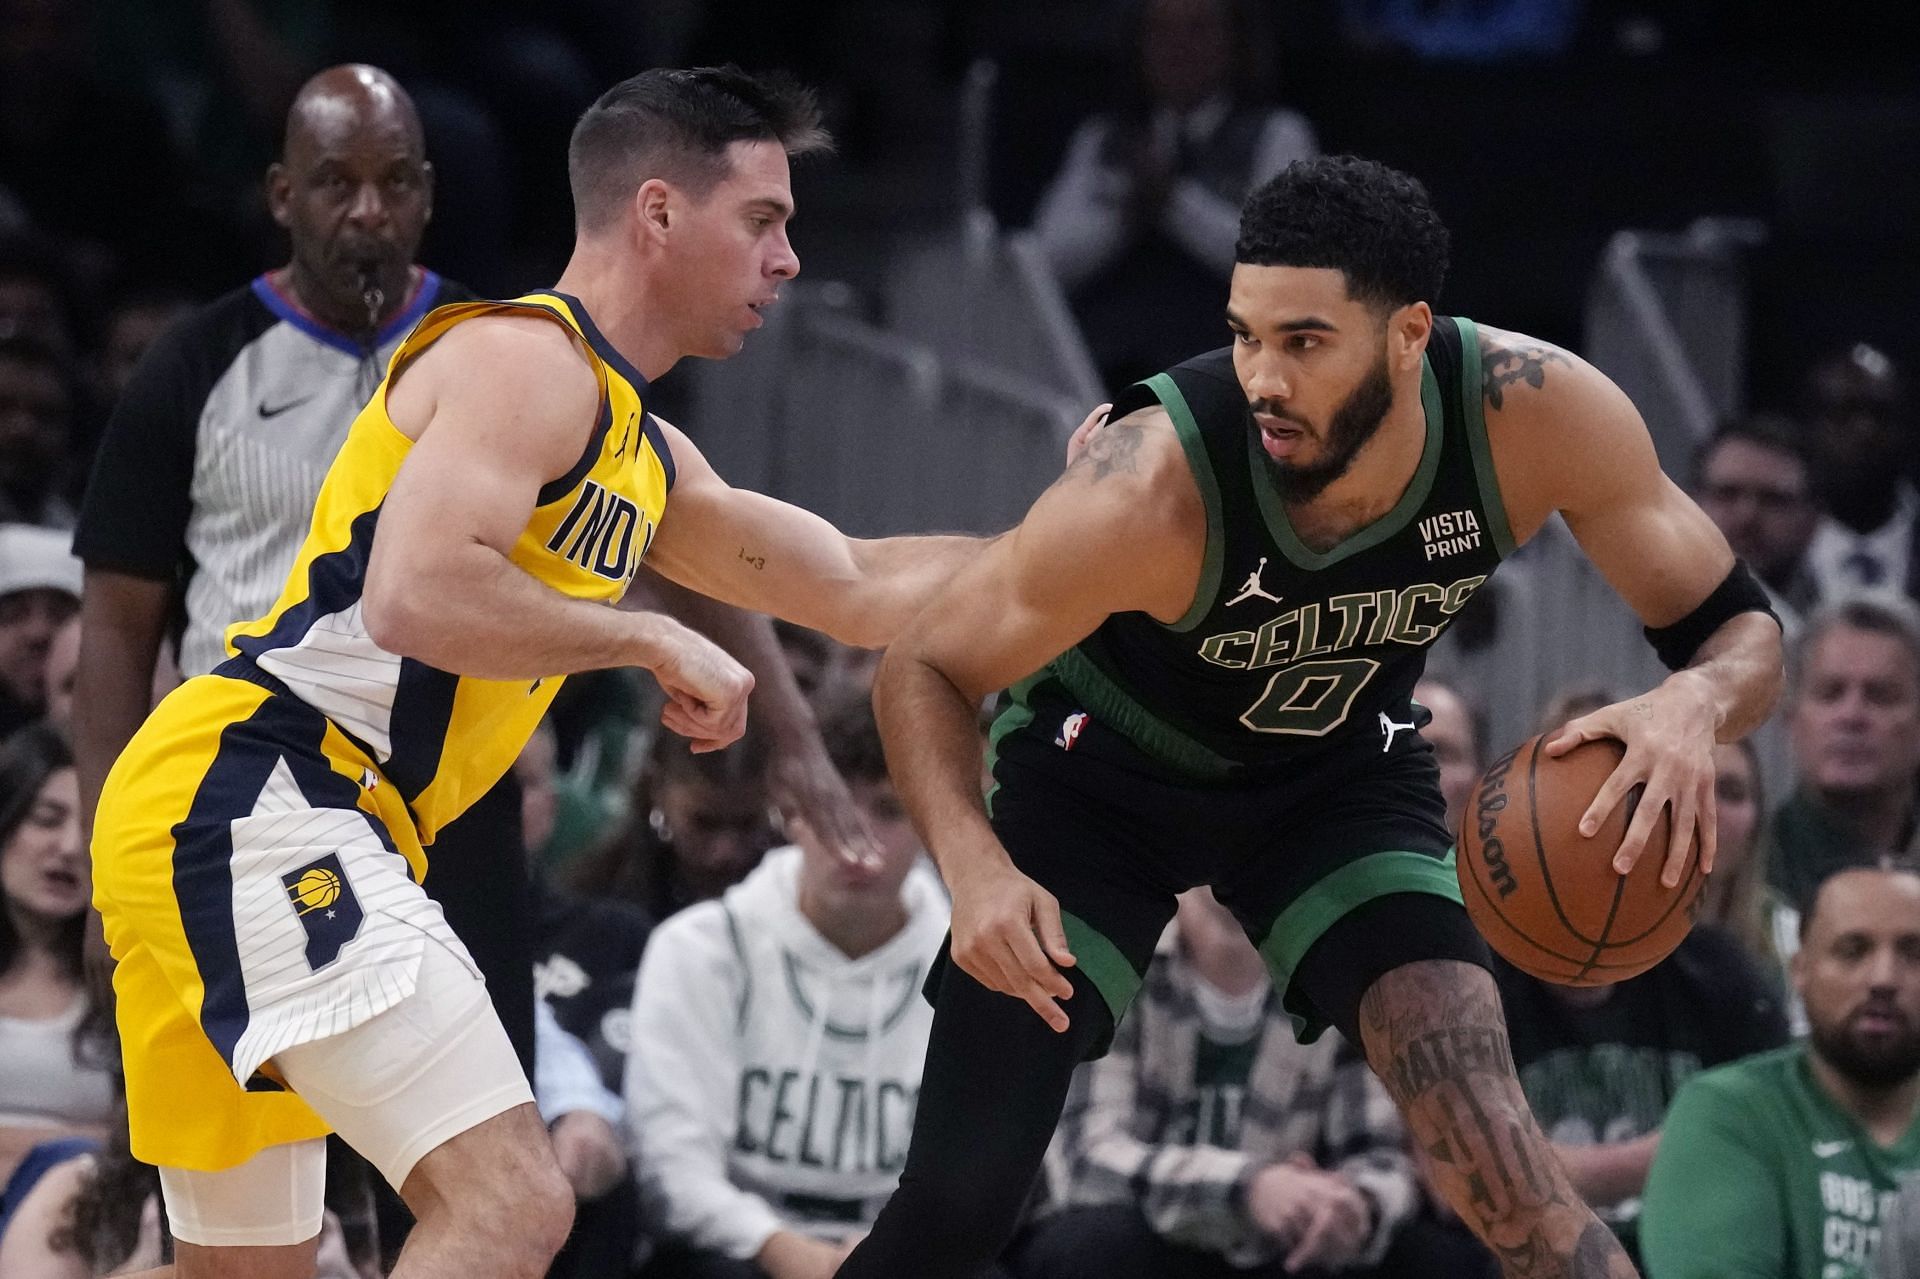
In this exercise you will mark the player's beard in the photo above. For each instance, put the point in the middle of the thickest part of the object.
(1354, 423)
(1884, 1064)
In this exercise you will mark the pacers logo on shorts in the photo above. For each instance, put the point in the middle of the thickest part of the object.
(324, 903)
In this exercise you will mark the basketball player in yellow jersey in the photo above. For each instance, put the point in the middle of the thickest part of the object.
(258, 846)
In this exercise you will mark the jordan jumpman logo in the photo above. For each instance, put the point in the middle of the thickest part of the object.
(1253, 589)
(1388, 727)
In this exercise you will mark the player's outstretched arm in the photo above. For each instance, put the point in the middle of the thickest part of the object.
(498, 408)
(757, 552)
(1122, 530)
(1568, 440)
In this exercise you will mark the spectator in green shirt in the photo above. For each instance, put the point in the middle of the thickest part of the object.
(1782, 1166)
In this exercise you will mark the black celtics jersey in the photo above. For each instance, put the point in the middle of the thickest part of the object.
(1287, 651)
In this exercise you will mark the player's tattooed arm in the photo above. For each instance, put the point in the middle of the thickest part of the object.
(1112, 450)
(1507, 359)
(1435, 1035)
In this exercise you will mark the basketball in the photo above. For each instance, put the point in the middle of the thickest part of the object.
(1546, 898)
(317, 889)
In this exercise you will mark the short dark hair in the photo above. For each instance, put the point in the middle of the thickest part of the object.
(1884, 863)
(1773, 431)
(677, 125)
(1374, 224)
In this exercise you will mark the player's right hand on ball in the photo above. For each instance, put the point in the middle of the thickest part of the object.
(1007, 935)
(706, 690)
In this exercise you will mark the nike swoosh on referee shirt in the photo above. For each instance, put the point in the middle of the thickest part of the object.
(278, 409)
(1828, 1149)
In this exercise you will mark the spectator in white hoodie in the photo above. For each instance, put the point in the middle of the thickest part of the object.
(778, 1037)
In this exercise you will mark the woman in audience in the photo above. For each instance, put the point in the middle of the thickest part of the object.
(49, 1090)
(1736, 898)
(696, 826)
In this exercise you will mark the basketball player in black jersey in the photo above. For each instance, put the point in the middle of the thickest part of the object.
(1212, 625)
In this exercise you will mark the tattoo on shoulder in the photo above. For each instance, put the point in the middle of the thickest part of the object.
(1112, 449)
(753, 561)
(1510, 358)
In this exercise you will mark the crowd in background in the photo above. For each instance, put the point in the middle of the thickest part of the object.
(729, 1026)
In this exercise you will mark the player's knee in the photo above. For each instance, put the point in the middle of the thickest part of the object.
(513, 1197)
(527, 1215)
(966, 1222)
(548, 1209)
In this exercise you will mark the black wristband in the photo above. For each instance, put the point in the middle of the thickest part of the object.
(1739, 592)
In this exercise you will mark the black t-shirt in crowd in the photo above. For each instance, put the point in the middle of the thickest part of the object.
(1607, 1073)
(586, 952)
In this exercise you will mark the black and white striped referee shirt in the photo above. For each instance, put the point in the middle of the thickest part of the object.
(212, 461)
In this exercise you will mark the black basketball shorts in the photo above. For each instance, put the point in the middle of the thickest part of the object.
(1338, 873)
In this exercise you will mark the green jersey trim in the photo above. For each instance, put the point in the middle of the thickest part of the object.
(1011, 720)
(1473, 411)
(1100, 696)
(1195, 447)
(1102, 962)
(1275, 511)
(1310, 914)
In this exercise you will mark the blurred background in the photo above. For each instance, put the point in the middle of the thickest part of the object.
(1705, 198)
(1032, 203)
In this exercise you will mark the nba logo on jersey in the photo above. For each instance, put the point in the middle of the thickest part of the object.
(324, 903)
(1070, 730)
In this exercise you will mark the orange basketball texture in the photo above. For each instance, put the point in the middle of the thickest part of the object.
(1547, 899)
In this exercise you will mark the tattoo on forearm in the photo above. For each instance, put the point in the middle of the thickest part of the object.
(1112, 449)
(756, 561)
(1505, 361)
(1534, 1255)
(1435, 1034)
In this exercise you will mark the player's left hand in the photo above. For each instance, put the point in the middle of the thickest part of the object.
(1669, 735)
(589, 1153)
(813, 797)
(1077, 442)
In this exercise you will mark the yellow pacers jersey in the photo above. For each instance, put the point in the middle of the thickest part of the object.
(442, 740)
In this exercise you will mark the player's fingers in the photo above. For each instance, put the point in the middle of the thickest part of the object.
(1680, 832)
(1035, 966)
(1051, 931)
(1640, 828)
(981, 962)
(1709, 824)
(1625, 776)
(1026, 987)
(1082, 433)
(714, 723)
(1575, 731)
(675, 720)
(824, 803)
(1049, 1012)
